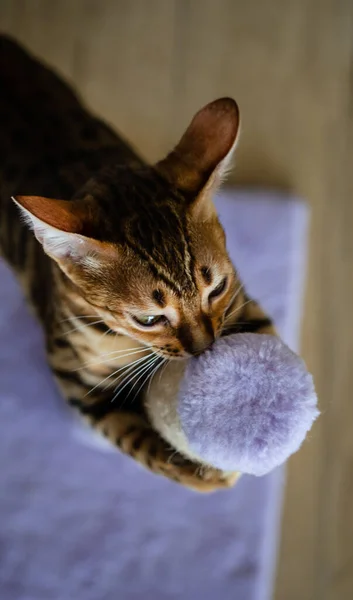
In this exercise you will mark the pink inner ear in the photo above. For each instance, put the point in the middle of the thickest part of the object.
(62, 214)
(206, 142)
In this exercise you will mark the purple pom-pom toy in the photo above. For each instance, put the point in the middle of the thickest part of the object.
(244, 405)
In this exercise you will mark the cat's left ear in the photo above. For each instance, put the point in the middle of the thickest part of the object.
(199, 163)
(64, 228)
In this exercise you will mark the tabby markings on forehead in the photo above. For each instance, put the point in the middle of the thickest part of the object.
(207, 275)
(188, 257)
(159, 298)
(159, 271)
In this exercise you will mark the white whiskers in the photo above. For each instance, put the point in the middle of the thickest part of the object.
(237, 309)
(135, 368)
(127, 380)
(75, 317)
(167, 361)
(109, 330)
(141, 348)
(163, 362)
(117, 355)
(226, 325)
(236, 293)
(128, 366)
(149, 374)
(80, 327)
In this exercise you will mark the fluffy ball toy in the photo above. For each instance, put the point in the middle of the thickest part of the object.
(245, 405)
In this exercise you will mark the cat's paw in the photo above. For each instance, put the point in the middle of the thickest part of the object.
(135, 437)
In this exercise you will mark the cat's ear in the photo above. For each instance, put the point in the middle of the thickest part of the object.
(64, 228)
(202, 157)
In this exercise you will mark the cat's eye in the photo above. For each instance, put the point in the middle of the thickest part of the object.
(149, 320)
(217, 291)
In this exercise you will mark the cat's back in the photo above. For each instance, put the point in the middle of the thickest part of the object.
(50, 145)
(35, 107)
(43, 124)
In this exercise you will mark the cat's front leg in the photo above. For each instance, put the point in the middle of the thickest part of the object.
(134, 435)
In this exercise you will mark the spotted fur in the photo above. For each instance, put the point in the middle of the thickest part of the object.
(119, 233)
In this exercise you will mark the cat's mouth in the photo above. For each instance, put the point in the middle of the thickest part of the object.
(181, 354)
(170, 355)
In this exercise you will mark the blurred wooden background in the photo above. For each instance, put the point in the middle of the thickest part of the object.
(147, 66)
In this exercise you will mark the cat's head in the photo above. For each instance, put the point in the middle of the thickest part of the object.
(144, 245)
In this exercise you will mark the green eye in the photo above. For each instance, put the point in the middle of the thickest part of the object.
(219, 289)
(149, 320)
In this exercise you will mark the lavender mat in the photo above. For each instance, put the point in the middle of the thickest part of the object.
(80, 524)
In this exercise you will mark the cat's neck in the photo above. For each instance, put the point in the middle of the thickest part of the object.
(76, 321)
(69, 299)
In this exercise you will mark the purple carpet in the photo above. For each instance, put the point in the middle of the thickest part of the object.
(77, 523)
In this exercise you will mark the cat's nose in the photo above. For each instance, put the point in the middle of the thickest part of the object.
(199, 346)
(197, 337)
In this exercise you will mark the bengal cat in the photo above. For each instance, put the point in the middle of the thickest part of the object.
(124, 263)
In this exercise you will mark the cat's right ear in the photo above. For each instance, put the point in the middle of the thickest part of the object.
(64, 228)
(203, 155)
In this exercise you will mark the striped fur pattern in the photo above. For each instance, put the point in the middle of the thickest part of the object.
(125, 264)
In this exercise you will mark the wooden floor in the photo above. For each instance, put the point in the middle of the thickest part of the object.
(147, 65)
